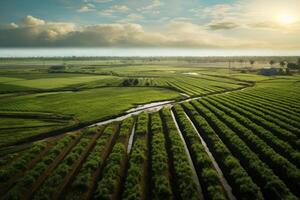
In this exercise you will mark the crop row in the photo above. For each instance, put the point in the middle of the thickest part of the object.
(161, 186)
(184, 88)
(194, 84)
(266, 108)
(280, 165)
(125, 130)
(21, 163)
(109, 185)
(185, 187)
(26, 182)
(279, 132)
(207, 174)
(285, 110)
(274, 102)
(84, 180)
(261, 113)
(284, 97)
(241, 183)
(50, 185)
(136, 180)
(279, 145)
(260, 172)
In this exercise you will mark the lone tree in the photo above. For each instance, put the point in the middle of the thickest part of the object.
(252, 62)
(282, 64)
(272, 62)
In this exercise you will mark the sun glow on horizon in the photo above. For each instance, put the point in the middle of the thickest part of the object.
(286, 19)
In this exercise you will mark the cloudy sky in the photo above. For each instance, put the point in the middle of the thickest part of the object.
(224, 24)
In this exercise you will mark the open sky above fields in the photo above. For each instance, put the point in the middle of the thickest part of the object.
(205, 24)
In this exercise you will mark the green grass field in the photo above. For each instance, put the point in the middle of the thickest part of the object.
(90, 91)
(228, 134)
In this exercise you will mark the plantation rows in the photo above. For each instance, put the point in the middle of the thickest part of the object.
(95, 164)
(266, 148)
(192, 86)
(196, 85)
(229, 146)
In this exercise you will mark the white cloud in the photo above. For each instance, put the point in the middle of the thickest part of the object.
(38, 32)
(258, 14)
(9, 26)
(32, 21)
(87, 8)
(154, 4)
(221, 24)
(114, 9)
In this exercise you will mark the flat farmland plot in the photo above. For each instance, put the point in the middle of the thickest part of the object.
(224, 135)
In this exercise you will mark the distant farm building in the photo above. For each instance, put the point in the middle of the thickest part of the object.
(270, 71)
(57, 68)
(293, 66)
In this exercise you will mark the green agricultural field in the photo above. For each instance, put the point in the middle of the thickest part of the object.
(226, 134)
(50, 81)
(88, 104)
(84, 106)
(87, 92)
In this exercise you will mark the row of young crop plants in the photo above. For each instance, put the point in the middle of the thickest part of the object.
(167, 160)
(23, 186)
(281, 167)
(284, 96)
(281, 146)
(242, 185)
(159, 166)
(277, 177)
(282, 118)
(195, 86)
(101, 167)
(278, 101)
(78, 166)
(260, 115)
(288, 110)
(191, 88)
